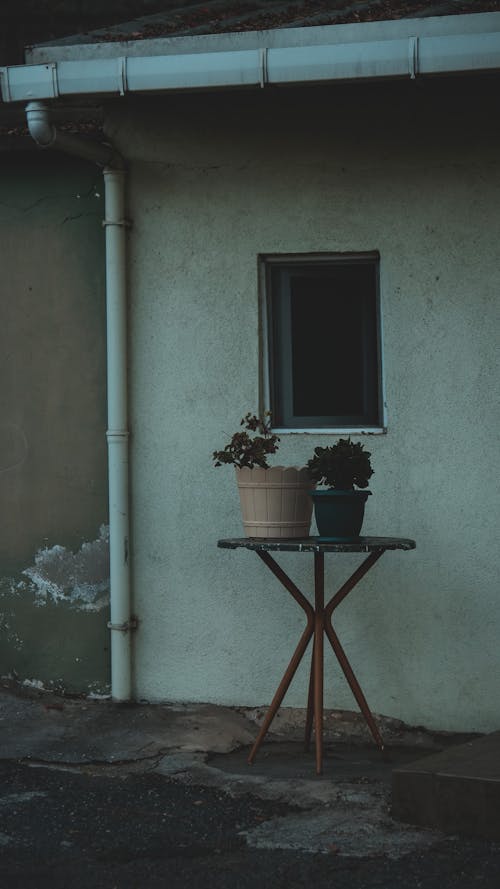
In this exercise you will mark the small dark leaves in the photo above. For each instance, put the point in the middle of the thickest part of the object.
(250, 450)
(342, 466)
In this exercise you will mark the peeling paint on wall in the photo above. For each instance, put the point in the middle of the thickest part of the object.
(80, 580)
(34, 683)
(53, 619)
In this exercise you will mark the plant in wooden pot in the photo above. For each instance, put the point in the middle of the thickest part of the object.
(339, 511)
(275, 501)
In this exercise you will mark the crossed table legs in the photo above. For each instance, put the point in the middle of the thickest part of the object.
(319, 622)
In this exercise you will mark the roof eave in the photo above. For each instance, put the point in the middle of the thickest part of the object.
(275, 38)
(402, 49)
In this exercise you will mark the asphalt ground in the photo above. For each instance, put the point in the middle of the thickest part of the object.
(84, 827)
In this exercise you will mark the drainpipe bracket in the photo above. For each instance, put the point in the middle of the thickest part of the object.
(125, 223)
(131, 624)
(263, 67)
(114, 435)
(5, 85)
(413, 50)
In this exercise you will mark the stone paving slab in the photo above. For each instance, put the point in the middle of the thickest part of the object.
(53, 729)
(456, 791)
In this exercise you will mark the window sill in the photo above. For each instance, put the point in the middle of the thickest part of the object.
(368, 430)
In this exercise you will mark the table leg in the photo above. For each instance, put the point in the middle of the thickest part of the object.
(283, 687)
(353, 683)
(337, 647)
(318, 623)
(298, 653)
(319, 611)
(310, 706)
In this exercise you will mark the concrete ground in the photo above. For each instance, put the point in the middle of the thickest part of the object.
(98, 795)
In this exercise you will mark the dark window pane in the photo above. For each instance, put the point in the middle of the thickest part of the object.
(324, 350)
(327, 348)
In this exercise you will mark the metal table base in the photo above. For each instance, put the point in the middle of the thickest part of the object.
(318, 624)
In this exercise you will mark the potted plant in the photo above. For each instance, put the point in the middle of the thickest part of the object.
(275, 501)
(339, 511)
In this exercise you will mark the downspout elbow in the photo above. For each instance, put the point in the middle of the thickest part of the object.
(46, 135)
(40, 128)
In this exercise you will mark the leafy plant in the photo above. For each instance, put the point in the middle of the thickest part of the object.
(246, 449)
(342, 465)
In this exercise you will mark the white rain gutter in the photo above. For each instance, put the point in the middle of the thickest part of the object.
(371, 59)
(46, 135)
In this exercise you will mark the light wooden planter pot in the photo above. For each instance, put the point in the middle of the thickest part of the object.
(275, 502)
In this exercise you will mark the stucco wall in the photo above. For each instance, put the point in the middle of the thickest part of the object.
(54, 586)
(411, 170)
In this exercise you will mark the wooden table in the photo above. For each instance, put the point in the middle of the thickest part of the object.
(319, 623)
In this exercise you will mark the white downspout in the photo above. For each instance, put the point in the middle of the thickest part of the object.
(121, 623)
(47, 136)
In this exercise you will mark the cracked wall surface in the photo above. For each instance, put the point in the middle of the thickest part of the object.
(54, 585)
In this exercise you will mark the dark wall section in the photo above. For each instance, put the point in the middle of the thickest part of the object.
(53, 465)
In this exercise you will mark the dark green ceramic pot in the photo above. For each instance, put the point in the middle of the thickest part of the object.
(339, 514)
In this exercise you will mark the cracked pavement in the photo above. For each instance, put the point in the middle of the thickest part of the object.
(95, 794)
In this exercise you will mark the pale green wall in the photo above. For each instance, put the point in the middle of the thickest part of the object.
(413, 171)
(53, 480)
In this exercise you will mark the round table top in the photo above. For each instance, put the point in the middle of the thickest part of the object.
(317, 544)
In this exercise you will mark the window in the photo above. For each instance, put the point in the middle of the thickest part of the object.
(322, 350)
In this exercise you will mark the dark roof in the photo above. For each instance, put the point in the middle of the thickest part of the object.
(222, 16)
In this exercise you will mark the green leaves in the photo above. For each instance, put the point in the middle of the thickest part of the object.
(341, 466)
(247, 450)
